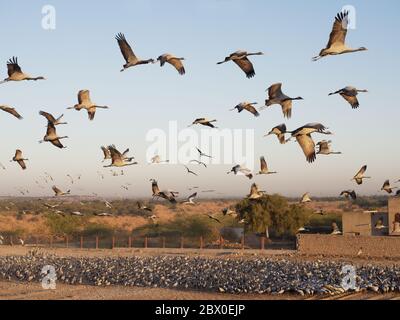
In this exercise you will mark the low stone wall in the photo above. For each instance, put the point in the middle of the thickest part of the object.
(348, 245)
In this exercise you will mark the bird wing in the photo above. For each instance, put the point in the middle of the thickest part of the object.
(250, 108)
(48, 116)
(106, 152)
(361, 172)
(155, 189)
(125, 48)
(56, 190)
(323, 146)
(308, 146)
(57, 143)
(22, 164)
(386, 185)
(339, 30)
(11, 111)
(246, 66)
(51, 129)
(194, 195)
(115, 154)
(18, 154)
(263, 164)
(351, 99)
(84, 97)
(275, 91)
(13, 67)
(287, 108)
(177, 63)
(91, 113)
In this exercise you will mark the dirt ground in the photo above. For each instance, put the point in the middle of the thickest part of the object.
(33, 291)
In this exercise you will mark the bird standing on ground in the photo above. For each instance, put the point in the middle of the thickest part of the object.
(350, 95)
(248, 106)
(11, 111)
(130, 58)
(264, 167)
(173, 61)
(15, 73)
(84, 102)
(20, 159)
(360, 175)
(337, 38)
(241, 59)
(276, 96)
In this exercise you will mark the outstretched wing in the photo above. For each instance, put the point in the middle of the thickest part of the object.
(339, 30)
(361, 172)
(308, 146)
(125, 48)
(11, 111)
(275, 90)
(263, 164)
(352, 100)
(246, 66)
(48, 116)
(13, 67)
(287, 108)
(250, 108)
(84, 97)
(177, 63)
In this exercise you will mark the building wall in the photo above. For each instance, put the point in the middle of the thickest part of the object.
(394, 210)
(357, 223)
(347, 245)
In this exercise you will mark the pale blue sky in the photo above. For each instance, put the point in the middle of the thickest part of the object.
(83, 54)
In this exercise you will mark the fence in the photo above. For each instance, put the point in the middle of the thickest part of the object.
(102, 242)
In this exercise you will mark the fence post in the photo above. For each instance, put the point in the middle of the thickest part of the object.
(11, 241)
(97, 242)
(221, 242)
(113, 243)
(145, 242)
(181, 242)
(243, 242)
(129, 242)
(201, 242)
(66, 242)
(81, 242)
(262, 243)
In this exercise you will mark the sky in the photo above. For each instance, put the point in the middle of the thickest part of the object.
(81, 53)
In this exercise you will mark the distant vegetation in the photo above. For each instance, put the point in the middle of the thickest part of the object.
(273, 212)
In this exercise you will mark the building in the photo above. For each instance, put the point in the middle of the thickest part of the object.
(374, 223)
(394, 216)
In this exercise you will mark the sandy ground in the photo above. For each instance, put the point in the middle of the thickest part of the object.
(33, 291)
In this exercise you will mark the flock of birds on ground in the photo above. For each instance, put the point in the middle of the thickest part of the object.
(303, 135)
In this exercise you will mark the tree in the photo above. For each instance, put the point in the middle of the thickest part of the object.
(274, 213)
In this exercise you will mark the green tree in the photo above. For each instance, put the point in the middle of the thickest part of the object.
(273, 213)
